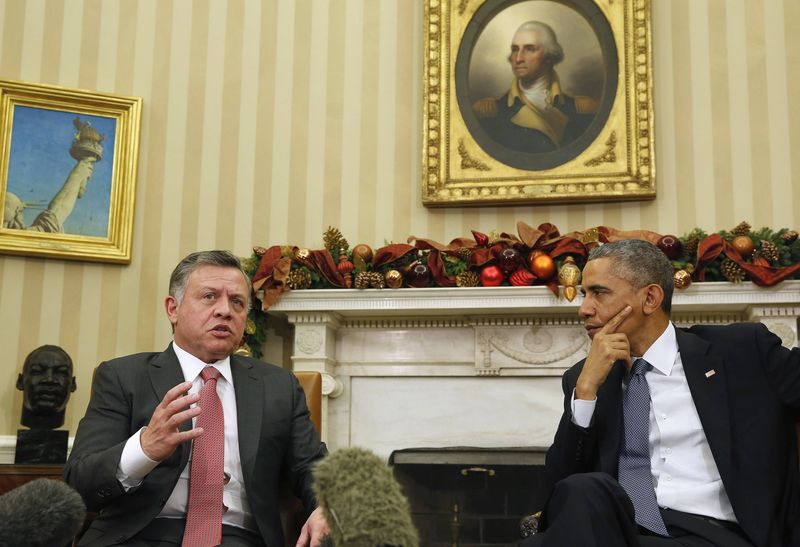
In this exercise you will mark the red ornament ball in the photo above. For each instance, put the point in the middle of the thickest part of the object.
(670, 246)
(491, 276)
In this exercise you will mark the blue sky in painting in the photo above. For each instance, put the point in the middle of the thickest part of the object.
(40, 162)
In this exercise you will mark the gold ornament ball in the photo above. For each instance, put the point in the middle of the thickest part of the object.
(682, 279)
(303, 256)
(542, 265)
(362, 251)
(744, 245)
(394, 279)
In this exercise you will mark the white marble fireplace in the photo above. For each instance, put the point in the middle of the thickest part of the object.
(470, 367)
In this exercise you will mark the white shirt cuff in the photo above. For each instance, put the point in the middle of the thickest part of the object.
(582, 411)
(134, 465)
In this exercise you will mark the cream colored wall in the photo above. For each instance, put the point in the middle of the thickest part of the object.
(266, 122)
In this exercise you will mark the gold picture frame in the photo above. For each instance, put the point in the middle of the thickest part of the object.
(68, 161)
(473, 155)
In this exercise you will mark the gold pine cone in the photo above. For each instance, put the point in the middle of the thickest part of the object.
(770, 251)
(468, 279)
(464, 253)
(732, 271)
(741, 229)
(789, 237)
(299, 279)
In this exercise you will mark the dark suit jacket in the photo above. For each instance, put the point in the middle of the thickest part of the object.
(748, 408)
(276, 439)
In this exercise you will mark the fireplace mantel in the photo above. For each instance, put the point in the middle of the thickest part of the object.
(470, 366)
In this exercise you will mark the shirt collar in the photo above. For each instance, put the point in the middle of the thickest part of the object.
(662, 353)
(191, 365)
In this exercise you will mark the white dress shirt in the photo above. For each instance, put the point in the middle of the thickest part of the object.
(134, 465)
(685, 475)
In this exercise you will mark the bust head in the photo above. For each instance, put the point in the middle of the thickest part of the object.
(46, 381)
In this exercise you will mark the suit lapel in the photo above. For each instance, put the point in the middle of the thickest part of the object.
(249, 404)
(165, 373)
(609, 419)
(710, 397)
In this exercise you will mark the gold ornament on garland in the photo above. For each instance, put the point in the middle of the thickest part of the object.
(732, 271)
(250, 326)
(682, 279)
(744, 245)
(570, 276)
(394, 279)
(363, 252)
(303, 256)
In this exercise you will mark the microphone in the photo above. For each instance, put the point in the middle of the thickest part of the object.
(362, 501)
(41, 513)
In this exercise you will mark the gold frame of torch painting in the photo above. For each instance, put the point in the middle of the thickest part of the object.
(473, 155)
(68, 161)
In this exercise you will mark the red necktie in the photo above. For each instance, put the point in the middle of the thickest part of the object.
(204, 515)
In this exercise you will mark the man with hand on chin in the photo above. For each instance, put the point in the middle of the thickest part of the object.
(671, 436)
(188, 446)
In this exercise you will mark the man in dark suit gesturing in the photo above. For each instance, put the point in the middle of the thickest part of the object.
(189, 445)
(671, 436)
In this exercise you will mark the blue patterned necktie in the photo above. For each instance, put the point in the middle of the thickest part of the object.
(634, 457)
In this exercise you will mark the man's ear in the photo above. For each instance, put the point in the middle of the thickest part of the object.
(653, 297)
(171, 306)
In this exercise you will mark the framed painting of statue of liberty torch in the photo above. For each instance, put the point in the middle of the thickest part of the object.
(68, 162)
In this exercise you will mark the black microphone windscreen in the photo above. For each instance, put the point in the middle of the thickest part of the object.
(362, 502)
(41, 513)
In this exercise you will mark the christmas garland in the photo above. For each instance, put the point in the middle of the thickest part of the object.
(534, 256)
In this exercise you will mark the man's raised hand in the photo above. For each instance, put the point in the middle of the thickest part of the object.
(162, 435)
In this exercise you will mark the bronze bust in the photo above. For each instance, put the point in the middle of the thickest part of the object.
(47, 382)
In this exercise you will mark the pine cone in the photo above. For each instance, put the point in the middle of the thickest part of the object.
(770, 251)
(692, 241)
(468, 279)
(299, 279)
(334, 241)
(789, 237)
(376, 280)
(742, 229)
(732, 271)
(464, 253)
(366, 280)
(362, 280)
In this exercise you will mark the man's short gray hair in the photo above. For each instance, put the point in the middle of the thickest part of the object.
(553, 52)
(180, 275)
(639, 263)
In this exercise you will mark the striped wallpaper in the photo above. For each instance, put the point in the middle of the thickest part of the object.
(266, 121)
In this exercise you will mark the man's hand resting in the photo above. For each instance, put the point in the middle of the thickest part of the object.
(314, 530)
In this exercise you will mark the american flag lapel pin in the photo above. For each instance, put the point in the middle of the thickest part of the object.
(710, 373)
